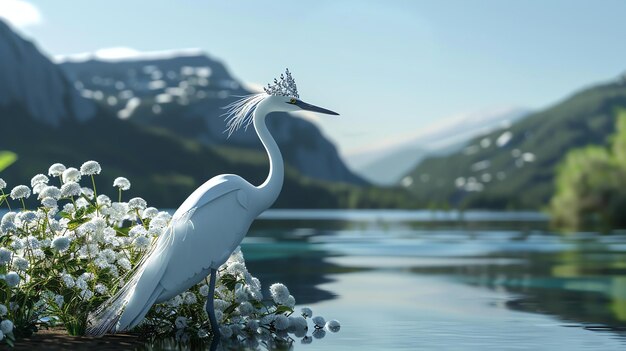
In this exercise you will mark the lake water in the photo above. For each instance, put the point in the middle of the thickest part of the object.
(403, 280)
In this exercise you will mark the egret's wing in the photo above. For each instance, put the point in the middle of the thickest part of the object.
(207, 192)
(218, 222)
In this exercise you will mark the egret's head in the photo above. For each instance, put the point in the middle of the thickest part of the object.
(282, 96)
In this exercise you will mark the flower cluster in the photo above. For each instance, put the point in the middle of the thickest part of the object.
(60, 261)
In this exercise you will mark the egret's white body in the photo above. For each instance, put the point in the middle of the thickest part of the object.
(203, 233)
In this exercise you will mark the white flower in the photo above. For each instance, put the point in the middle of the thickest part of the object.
(39, 179)
(27, 216)
(67, 280)
(141, 242)
(236, 268)
(1, 336)
(137, 203)
(204, 290)
(100, 289)
(124, 263)
(49, 202)
(70, 188)
(122, 183)
(219, 304)
(3, 184)
(137, 230)
(33, 242)
(103, 200)
(82, 203)
(245, 308)
(7, 224)
(12, 279)
(39, 253)
(61, 243)
(3, 310)
(17, 244)
(291, 301)
(5, 255)
(6, 326)
(280, 293)
(71, 175)
(333, 325)
(81, 283)
(149, 212)
(56, 170)
(281, 322)
(252, 325)
(86, 294)
(306, 312)
(319, 321)
(189, 298)
(90, 168)
(20, 263)
(39, 187)
(180, 322)
(298, 323)
(20, 192)
(87, 192)
(59, 300)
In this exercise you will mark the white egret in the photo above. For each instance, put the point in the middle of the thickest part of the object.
(210, 223)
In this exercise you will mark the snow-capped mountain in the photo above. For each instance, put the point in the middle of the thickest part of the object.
(387, 164)
(52, 98)
(186, 92)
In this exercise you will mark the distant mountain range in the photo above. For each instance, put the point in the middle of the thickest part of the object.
(45, 119)
(514, 167)
(386, 165)
(185, 92)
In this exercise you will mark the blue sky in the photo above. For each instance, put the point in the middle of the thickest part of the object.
(389, 67)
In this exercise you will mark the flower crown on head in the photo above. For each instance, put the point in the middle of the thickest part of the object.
(286, 86)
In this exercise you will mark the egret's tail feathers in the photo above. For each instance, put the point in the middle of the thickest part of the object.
(131, 303)
(105, 318)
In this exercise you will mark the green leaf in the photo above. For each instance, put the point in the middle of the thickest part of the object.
(75, 223)
(282, 309)
(7, 158)
(231, 308)
(65, 215)
(229, 281)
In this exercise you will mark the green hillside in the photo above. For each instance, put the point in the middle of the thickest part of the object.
(519, 174)
(163, 167)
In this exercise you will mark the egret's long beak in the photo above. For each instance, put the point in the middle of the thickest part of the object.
(308, 107)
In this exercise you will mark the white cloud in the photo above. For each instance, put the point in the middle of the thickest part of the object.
(20, 13)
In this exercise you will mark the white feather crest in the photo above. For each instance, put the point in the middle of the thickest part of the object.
(240, 112)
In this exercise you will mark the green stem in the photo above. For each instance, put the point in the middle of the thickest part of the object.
(4, 197)
(119, 198)
(23, 204)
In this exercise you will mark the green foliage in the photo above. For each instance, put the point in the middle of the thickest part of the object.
(590, 189)
(585, 118)
(7, 158)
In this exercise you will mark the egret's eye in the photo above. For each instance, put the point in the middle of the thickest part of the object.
(292, 101)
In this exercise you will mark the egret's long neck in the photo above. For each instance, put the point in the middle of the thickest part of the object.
(270, 189)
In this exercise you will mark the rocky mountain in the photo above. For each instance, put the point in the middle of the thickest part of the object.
(515, 167)
(53, 99)
(186, 92)
(387, 165)
(45, 120)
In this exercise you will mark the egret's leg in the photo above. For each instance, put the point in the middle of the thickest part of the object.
(210, 309)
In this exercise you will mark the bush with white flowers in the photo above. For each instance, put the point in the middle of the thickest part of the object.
(60, 261)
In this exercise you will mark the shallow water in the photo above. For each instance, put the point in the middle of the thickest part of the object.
(488, 282)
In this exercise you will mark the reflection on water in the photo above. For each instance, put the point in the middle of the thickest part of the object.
(491, 281)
